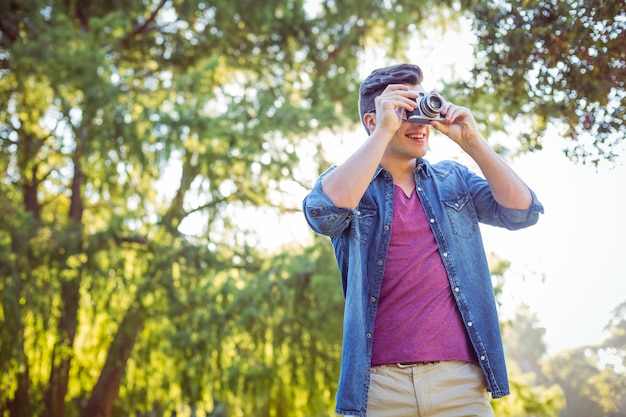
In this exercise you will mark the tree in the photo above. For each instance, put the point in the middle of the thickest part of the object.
(611, 380)
(554, 62)
(572, 371)
(528, 398)
(100, 102)
(524, 341)
(616, 341)
(593, 385)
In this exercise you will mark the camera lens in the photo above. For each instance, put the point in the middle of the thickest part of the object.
(431, 105)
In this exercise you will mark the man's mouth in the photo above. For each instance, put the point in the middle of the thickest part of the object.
(416, 136)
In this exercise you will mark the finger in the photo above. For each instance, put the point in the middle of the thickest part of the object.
(392, 102)
(454, 113)
(441, 127)
(445, 108)
(395, 87)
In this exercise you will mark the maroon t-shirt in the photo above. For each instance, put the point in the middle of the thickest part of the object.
(417, 318)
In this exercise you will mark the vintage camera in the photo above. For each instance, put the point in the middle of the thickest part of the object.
(428, 107)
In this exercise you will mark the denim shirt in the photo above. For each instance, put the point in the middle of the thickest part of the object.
(455, 200)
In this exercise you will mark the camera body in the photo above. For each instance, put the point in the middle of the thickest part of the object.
(429, 106)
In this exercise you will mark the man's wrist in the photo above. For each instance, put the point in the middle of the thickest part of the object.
(383, 133)
(476, 143)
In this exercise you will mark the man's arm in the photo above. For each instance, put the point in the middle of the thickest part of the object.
(346, 184)
(507, 187)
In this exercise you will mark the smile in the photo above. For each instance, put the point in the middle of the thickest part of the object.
(416, 136)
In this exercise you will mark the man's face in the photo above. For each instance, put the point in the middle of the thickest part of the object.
(410, 140)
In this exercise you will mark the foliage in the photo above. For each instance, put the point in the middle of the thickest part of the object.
(572, 370)
(524, 341)
(616, 342)
(524, 346)
(553, 61)
(592, 383)
(498, 268)
(582, 382)
(529, 398)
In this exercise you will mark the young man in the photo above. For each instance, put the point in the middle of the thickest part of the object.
(421, 331)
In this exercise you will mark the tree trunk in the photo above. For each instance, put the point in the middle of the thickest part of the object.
(62, 353)
(106, 389)
(61, 356)
(20, 406)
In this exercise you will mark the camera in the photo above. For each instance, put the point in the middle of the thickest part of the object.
(428, 107)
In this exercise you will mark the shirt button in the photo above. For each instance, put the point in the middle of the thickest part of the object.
(419, 188)
(358, 213)
(386, 227)
(457, 289)
(432, 220)
(445, 254)
(470, 324)
(388, 196)
(380, 262)
(482, 358)
(369, 335)
(373, 299)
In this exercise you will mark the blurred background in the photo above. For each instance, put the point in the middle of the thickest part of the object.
(154, 260)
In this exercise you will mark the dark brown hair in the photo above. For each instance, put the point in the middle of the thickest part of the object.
(379, 79)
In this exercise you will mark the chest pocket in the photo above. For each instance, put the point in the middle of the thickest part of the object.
(367, 217)
(462, 216)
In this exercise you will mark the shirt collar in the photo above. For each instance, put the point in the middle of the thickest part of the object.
(423, 166)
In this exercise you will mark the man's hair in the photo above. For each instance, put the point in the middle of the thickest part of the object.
(379, 79)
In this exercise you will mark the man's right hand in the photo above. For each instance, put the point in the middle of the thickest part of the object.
(395, 99)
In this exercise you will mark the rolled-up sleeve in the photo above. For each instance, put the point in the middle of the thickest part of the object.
(323, 216)
(490, 212)
(519, 219)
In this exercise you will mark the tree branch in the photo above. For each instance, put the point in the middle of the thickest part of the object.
(142, 28)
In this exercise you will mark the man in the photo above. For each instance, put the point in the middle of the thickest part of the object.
(421, 331)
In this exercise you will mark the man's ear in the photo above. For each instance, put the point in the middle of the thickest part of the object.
(369, 119)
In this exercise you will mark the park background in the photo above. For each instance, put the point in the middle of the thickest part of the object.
(154, 154)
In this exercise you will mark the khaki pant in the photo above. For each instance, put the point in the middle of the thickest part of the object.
(439, 389)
